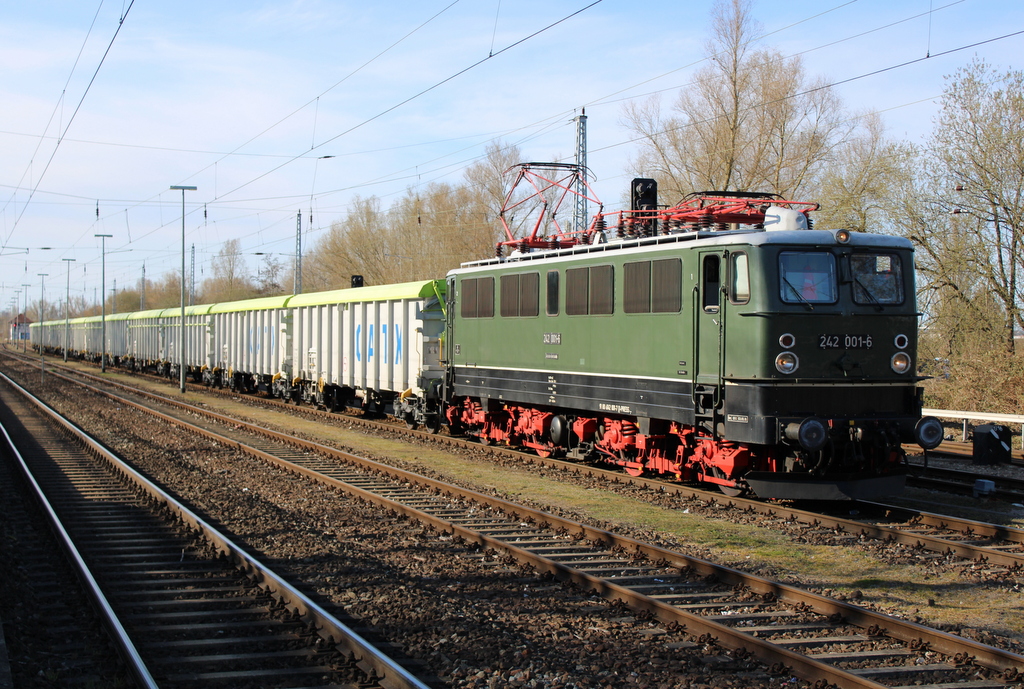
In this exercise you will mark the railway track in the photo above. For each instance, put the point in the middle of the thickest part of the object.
(819, 639)
(184, 604)
(994, 544)
(964, 482)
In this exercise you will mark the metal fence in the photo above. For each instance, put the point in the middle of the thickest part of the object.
(1009, 420)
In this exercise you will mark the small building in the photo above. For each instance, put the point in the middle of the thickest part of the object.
(19, 327)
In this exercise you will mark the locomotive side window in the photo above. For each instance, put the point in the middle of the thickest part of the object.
(667, 286)
(552, 293)
(520, 295)
(807, 277)
(529, 294)
(739, 279)
(589, 291)
(485, 298)
(577, 291)
(877, 279)
(509, 296)
(469, 298)
(637, 287)
(712, 284)
(477, 298)
(653, 286)
(602, 290)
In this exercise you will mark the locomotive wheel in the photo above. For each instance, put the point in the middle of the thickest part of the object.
(728, 491)
(731, 491)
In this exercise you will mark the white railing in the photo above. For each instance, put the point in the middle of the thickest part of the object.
(965, 416)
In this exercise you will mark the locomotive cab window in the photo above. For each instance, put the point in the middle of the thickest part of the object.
(807, 277)
(739, 279)
(877, 279)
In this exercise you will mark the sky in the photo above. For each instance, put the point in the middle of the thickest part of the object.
(270, 109)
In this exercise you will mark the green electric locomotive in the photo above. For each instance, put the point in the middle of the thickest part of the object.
(720, 340)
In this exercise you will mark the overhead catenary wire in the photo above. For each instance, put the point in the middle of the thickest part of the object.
(70, 121)
(427, 172)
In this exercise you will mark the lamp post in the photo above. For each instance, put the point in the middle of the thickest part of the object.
(181, 331)
(24, 347)
(42, 314)
(67, 308)
(17, 307)
(103, 303)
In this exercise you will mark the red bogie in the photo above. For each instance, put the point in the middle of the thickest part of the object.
(678, 450)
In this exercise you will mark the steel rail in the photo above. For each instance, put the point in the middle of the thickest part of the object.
(370, 659)
(949, 644)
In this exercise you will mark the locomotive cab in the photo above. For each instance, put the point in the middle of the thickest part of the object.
(832, 395)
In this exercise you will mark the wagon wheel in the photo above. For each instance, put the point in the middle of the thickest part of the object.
(433, 424)
(334, 403)
(410, 420)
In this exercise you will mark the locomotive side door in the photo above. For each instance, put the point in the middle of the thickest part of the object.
(708, 334)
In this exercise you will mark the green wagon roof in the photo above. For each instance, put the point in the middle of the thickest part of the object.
(420, 289)
(405, 290)
(259, 304)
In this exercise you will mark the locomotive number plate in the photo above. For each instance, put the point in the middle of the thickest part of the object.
(844, 341)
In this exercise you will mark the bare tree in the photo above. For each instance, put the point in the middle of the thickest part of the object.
(856, 186)
(978, 150)
(750, 120)
(230, 280)
(269, 276)
(965, 208)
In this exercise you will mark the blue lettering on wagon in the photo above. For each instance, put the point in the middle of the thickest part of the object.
(371, 330)
(256, 338)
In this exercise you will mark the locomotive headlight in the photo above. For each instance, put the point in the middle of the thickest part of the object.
(928, 432)
(900, 362)
(787, 362)
(843, 236)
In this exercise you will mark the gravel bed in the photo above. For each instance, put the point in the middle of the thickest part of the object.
(927, 565)
(471, 622)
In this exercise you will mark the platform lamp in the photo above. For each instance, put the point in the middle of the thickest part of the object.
(67, 308)
(103, 301)
(181, 331)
